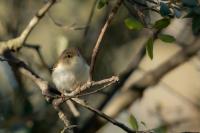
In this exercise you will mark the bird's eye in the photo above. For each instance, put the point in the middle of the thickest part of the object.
(69, 56)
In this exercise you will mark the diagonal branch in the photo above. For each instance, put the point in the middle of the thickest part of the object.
(135, 91)
(90, 84)
(103, 30)
(121, 125)
(47, 90)
(126, 98)
(18, 42)
(116, 87)
(52, 95)
(90, 18)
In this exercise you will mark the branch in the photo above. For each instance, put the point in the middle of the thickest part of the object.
(114, 122)
(123, 78)
(151, 78)
(103, 30)
(16, 43)
(90, 18)
(90, 84)
(63, 117)
(97, 90)
(51, 94)
(47, 90)
(135, 91)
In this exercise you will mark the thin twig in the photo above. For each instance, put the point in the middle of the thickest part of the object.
(43, 85)
(96, 91)
(45, 88)
(90, 18)
(133, 65)
(65, 120)
(136, 89)
(103, 30)
(73, 108)
(89, 84)
(114, 122)
(68, 128)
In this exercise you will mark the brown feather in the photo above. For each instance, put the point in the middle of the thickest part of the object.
(65, 55)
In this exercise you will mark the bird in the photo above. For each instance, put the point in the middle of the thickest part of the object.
(70, 71)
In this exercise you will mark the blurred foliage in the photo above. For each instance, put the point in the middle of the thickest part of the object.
(168, 10)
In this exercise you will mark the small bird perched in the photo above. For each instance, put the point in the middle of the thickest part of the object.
(71, 71)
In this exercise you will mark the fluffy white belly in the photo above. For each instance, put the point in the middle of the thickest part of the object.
(68, 80)
(63, 80)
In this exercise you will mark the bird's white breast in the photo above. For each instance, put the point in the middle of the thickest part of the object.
(67, 78)
(63, 79)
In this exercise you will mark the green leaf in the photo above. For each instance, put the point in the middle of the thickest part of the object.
(164, 9)
(190, 3)
(149, 47)
(160, 130)
(102, 3)
(166, 38)
(133, 122)
(133, 24)
(162, 23)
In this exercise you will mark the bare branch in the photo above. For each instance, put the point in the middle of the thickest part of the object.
(17, 43)
(43, 85)
(90, 18)
(151, 78)
(49, 92)
(114, 122)
(72, 108)
(103, 30)
(89, 84)
(133, 65)
(135, 91)
(97, 90)
(63, 117)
